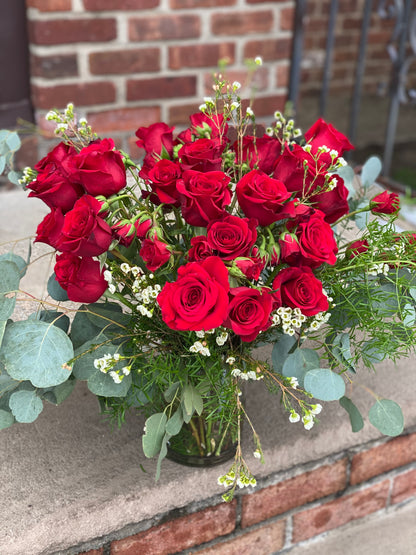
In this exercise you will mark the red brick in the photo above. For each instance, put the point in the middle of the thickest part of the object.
(119, 5)
(242, 23)
(259, 80)
(125, 61)
(93, 552)
(282, 75)
(161, 87)
(51, 67)
(267, 105)
(294, 492)
(200, 55)
(262, 541)
(262, 1)
(82, 94)
(28, 154)
(287, 16)
(396, 452)
(179, 115)
(269, 50)
(312, 522)
(50, 5)
(180, 4)
(123, 119)
(182, 533)
(63, 31)
(164, 27)
(404, 486)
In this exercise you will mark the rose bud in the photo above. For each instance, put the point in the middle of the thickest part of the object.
(155, 253)
(289, 247)
(356, 248)
(143, 226)
(125, 232)
(385, 203)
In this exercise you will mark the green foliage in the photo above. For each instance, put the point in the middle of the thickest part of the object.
(298, 363)
(387, 417)
(55, 290)
(356, 419)
(155, 429)
(370, 171)
(9, 144)
(25, 406)
(9, 284)
(324, 384)
(281, 349)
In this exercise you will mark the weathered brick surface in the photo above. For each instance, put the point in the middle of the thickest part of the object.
(83, 94)
(312, 522)
(269, 50)
(180, 4)
(120, 5)
(164, 27)
(242, 23)
(179, 534)
(200, 55)
(287, 16)
(54, 66)
(404, 486)
(267, 105)
(265, 540)
(63, 31)
(125, 61)
(282, 75)
(294, 492)
(179, 114)
(393, 454)
(50, 5)
(123, 119)
(161, 87)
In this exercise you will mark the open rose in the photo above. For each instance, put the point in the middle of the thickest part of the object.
(203, 196)
(155, 253)
(299, 288)
(316, 241)
(260, 152)
(198, 299)
(385, 203)
(125, 232)
(199, 249)
(263, 198)
(157, 141)
(324, 134)
(84, 232)
(249, 311)
(50, 228)
(232, 236)
(100, 168)
(202, 155)
(162, 178)
(82, 278)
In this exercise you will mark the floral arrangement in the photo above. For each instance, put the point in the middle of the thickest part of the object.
(226, 237)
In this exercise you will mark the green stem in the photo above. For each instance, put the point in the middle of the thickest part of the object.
(351, 214)
(196, 437)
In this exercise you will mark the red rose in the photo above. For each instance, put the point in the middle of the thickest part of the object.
(155, 253)
(199, 249)
(232, 236)
(202, 155)
(84, 232)
(290, 169)
(385, 203)
(250, 266)
(54, 183)
(260, 152)
(217, 127)
(125, 232)
(198, 299)
(357, 247)
(249, 311)
(325, 134)
(333, 204)
(100, 168)
(50, 228)
(263, 198)
(289, 248)
(316, 240)
(142, 227)
(299, 288)
(203, 196)
(162, 178)
(157, 140)
(81, 278)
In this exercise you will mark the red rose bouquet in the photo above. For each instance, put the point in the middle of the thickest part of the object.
(225, 237)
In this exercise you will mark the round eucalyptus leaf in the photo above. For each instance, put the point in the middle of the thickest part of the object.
(298, 363)
(36, 351)
(55, 290)
(6, 419)
(9, 284)
(387, 417)
(18, 260)
(155, 428)
(371, 170)
(13, 141)
(356, 419)
(25, 406)
(54, 317)
(324, 384)
(281, 350)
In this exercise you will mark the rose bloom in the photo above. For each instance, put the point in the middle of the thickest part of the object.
(50, 228)
(82, 278)
(218, 127)
(324, 134)
(289, 248)
(155, 253)
(357, 247)
(299, 288)
(202, 155)
(85, 232)
(100, 168)
(385, 203)
(261, 152)
(199, 249)
(143, 227)
(203, 196)
(315, 239)
(263, 198)
(198, 299)
(250, 266)
(232, 236)
(156, 139)
(249, 311)
(124, 233)
(162, 178)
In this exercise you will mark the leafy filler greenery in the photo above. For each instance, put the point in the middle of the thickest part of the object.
(223, 239)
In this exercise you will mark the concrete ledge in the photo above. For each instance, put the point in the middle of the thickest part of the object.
(67, 479)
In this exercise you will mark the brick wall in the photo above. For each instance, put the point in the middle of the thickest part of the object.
(295, 507)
